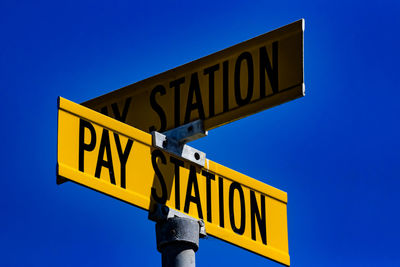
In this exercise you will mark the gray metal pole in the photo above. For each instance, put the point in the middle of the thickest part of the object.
(177, 233)
(178, 240)
(177, 236)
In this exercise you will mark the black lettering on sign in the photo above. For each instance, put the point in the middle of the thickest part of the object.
(272, 72)
(221, 201)
(211, 88)
(105, 147)
(192, 183)
(178, 163)
(209, 176)
(123, 157)
(117, 114)
(82, 145)
(225, 85)
(104, 111)
(157, 108)
(177, 99)
(194, 90)
(236, 186)
(250, 79)
(154, 155)
(255, 213)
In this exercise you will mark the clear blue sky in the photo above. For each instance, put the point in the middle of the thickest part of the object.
(335, 151)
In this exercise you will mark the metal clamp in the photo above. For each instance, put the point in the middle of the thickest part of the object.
(163, 213)
(188, 132)
(174, 141)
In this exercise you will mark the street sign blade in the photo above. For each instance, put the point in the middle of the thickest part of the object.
(225, 86)
(118, 160)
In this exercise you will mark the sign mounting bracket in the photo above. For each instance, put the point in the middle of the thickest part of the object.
(174, 141)
(162, 213)
(177, 236)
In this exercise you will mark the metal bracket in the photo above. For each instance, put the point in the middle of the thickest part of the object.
(188, 132)
(174, 141)
(162, 213)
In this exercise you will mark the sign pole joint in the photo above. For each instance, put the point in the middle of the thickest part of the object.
(177, 236)
(174, 141)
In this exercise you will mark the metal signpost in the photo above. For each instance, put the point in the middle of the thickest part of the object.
(185, 193)
(119, 160)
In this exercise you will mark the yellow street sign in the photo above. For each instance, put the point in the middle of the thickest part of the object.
(225, 86)
(118, 160)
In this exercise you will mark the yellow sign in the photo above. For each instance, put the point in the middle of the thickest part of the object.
(233, 83)
(118, 160)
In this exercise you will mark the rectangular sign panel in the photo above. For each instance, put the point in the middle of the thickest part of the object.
(233, 83)
(118, 160)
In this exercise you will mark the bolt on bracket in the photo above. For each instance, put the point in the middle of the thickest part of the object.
(174, 141)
